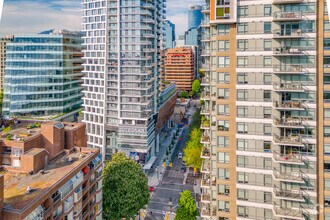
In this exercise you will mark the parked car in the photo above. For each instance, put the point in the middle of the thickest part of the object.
(151, 188)
(180, 155)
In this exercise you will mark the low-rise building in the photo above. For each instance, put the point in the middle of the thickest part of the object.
(48, 173)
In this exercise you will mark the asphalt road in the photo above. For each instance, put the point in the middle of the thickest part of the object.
(166, 195)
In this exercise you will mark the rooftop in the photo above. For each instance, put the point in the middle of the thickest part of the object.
(15, 190)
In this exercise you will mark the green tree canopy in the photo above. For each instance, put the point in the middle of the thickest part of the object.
(187, 207)
(196, 86)
(125, 188)
(192, 151)
(184, 94)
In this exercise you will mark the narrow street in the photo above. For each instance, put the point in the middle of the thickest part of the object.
(166, 195)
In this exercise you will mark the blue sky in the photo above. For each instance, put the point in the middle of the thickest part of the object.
(32, 16)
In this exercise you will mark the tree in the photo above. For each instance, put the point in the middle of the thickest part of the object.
(192, 151)
(195, 87)
(125, 188)
(184, 94)
(187, 207)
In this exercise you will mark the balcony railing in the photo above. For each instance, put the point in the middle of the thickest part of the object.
(289, 51)
(286, 86)
(205, 139)
(291, 213)
(295, 195)
(205, 213)
(286, 1)
(205, 183)
(287, 15)
(205, 167)
(295, 105)
(205, 153)
(291, 158)
(288, 140)
(206, 95)
(205, 110)
(288, 122)
(297, 177)
(289, 69)
(287, 33)
(206, 198)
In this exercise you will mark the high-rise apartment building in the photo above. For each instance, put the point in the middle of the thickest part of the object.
(3, 45)
(169, 35)
(195, 16)
(48, 173)
(265, 117)
(180, 67)
(123, 40)
(43, 75)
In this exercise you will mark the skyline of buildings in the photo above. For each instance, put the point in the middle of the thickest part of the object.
(195, 16)
(169, 35)
(43, 75)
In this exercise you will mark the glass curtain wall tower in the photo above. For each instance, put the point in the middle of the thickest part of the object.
(123, 39)
(265, 133)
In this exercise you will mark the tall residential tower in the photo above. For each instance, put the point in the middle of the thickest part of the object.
(123, 39)
(266, 112)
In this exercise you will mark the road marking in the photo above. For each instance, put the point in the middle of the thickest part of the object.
(162, 203)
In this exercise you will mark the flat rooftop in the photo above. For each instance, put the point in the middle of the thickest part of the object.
(15, 190)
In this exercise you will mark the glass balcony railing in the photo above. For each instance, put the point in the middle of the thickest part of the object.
(288, 86)
(289, 105)
(288, 122)
(288, 139)
(287, 16)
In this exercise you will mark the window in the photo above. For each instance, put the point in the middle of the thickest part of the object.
(327, 149)
(223, 109)
(242, 45)
(223, 29)
(267, 27)
(326, 184)
(223, 190)
(242, 144)
(326, 131)
(242, 11)
(326, 44)
(268, 180)
(267, 146)
(327, 114)
(242, 128)
(242, 177)
(224, 206)
(242, 111)
(326, 96)
(223, 141)
(267, 78)
(242, 161)
(242, 78)
(223, 93)
(267, 163)
(267, 197)
(267, 61)
(224, 174)
(242, 211)
(223, 78)
(242, 95)
(267, 10)
(223, 125)
(223, 62)
(242, 194)
(267, 112)
(223, 45)
(242, 61)
(267, 129)
(267, 44)
(267, 95)
(242, 28)
(223, 157)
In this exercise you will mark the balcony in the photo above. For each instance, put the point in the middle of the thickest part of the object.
(287, 16)
(205, 81)
(291, 140)
(206, 197)
(205, 8)
(290, 158)
(205, 212)
(289, 51)
(206, 154)
(279, 2)
(205, 139)
(205, 166)
(205, 125)
(206, 66)
(206, 53)
(205, 183)
(288, 69)
(291, 213)
(206, 95)
(288, 87)
(289, 105)
(292, 195)
(293, 177)
(288, 123)
(287, 33)
(205, 111)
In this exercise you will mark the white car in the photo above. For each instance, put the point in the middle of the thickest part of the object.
(180, 155)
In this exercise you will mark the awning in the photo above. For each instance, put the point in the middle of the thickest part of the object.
(150, 163)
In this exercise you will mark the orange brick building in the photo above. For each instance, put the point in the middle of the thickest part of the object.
(180, 67)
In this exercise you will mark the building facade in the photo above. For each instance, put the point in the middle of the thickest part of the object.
(180, 67)
(265, 130)
(195, 16)
(3, 44)
(43, 75)
(48, 173)
(192, 37)
(169, 35)
(123, 40)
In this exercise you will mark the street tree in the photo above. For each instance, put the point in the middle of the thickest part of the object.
(125, 188)
(184, 94)
(195, 87)
(187, 207)
(192, 151)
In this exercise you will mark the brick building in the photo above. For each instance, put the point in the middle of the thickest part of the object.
(48, 173)
(180, 67)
